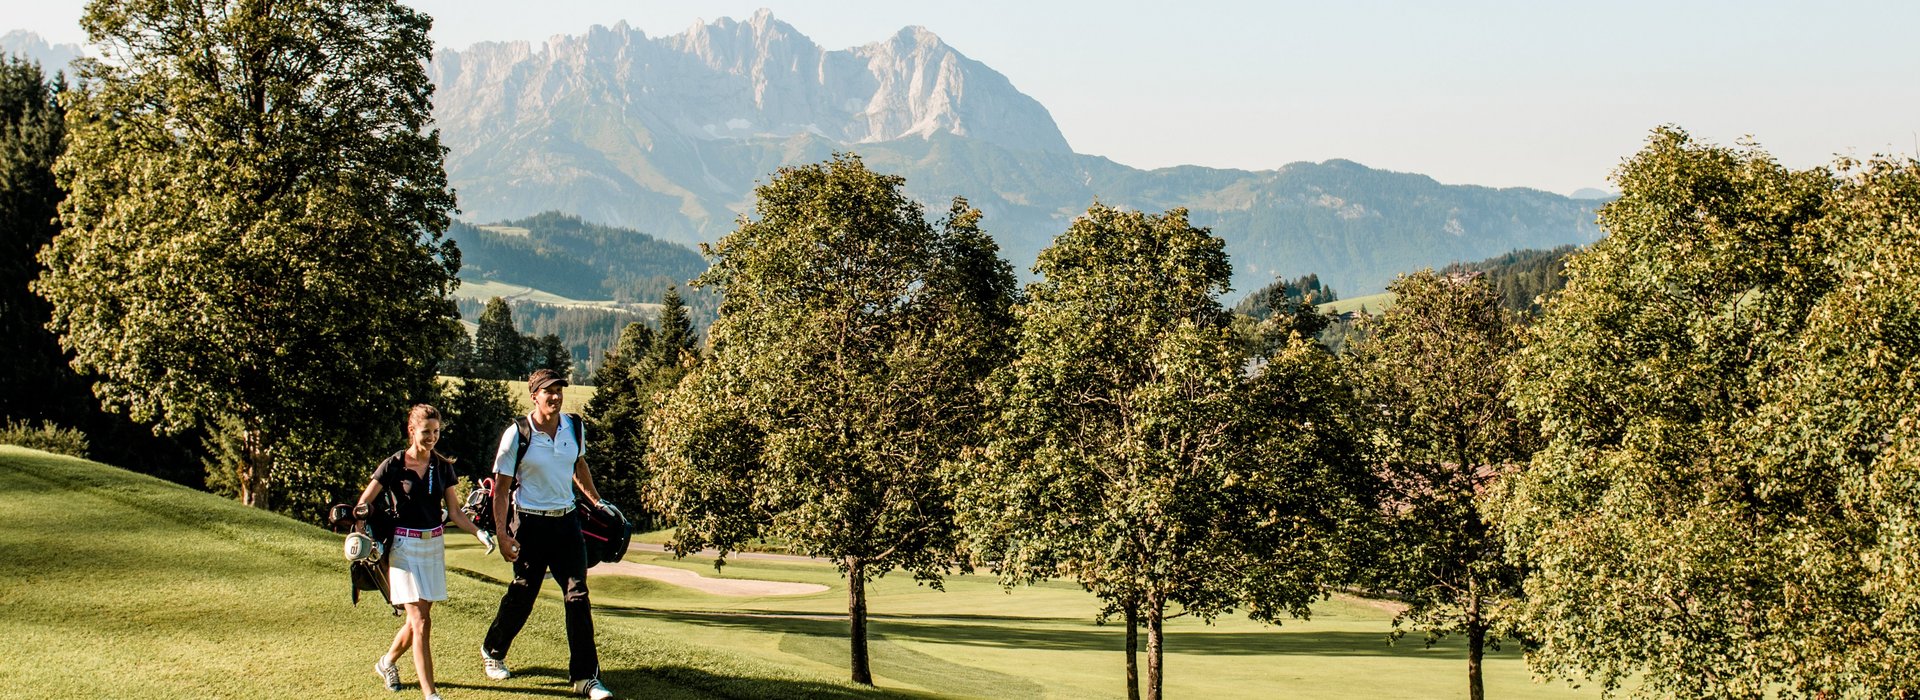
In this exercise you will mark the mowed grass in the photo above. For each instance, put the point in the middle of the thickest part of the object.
(126, 586)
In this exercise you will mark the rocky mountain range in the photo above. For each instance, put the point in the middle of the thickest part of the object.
(30, 46)
(669, 135)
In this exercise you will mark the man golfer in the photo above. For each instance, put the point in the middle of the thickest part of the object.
(544, 536)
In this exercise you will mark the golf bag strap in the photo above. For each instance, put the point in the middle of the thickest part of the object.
(523, 429)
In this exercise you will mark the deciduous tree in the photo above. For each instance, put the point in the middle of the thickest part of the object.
(1137, 448)
(843, 373)
(1725, 504)
(254, 225)
(1433, 396)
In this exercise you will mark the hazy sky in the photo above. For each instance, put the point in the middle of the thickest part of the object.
(1538, 94)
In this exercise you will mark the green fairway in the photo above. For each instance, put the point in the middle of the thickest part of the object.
(127, 586)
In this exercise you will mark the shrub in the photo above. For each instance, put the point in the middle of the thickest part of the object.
(46, 437)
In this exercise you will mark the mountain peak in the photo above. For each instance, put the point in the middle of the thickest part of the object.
(731, 80)
(51, 57)
(917, 35)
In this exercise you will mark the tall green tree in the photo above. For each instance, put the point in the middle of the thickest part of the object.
(254, 226)
(1433, 370)
(1133, 450)
(1725, 503)
(622, 398)
(843, 374)
(500, 351)
(474, 411)
(676, 338)
(630, 384)
(552, 353)
(35, 382)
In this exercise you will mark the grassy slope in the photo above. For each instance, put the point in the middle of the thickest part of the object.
(120, 585)
(135, 587)
(487, 289)
(1374, 303)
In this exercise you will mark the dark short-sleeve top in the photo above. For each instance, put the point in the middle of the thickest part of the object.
(419, 497)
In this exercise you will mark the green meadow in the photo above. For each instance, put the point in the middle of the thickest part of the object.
(125, 586)
(1372, 303)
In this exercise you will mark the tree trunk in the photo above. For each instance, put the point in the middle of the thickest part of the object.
(1133, 650)
(254, 466)
(1476, 645)
(857, 619)
(1156, 612)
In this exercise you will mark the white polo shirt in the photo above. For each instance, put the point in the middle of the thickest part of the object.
(545, 475)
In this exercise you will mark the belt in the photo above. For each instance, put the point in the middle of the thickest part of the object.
(422, 534)
(548, 513)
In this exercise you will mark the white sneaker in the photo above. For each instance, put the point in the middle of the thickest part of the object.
(592, 689)
(433, 696)
(388, 673)
(496, 668)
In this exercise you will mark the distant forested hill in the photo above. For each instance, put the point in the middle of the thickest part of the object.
(1308, 289)
(562, 254)
(591, 280)
(1523, 277)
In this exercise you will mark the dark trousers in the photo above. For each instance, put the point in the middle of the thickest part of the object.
(548, 544)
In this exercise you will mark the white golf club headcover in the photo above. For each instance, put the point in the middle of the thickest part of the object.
(360, 547)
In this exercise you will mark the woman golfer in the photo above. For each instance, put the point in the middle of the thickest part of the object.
(422, 483)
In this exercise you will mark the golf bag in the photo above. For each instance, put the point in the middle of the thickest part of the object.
(381, 520)
(606, 532)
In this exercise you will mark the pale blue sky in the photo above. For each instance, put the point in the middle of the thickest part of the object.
(1538, 94)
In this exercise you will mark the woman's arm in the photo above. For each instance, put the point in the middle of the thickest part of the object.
(361, 507)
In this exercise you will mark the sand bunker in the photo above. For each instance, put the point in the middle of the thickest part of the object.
(737, 587)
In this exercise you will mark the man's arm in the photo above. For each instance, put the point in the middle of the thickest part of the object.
(504, 468)
(583, 480)
(502, 510)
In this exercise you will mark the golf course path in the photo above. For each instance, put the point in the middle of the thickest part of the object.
(737, 587)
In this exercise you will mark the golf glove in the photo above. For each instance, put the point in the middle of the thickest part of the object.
(486, 538)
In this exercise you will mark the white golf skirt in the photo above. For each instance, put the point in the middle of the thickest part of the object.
(418, 570)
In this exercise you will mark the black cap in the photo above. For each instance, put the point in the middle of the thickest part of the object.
(543, 378)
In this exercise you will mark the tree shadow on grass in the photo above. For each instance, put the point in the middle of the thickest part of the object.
(1061, 636)
(667, 682)
(689, 682)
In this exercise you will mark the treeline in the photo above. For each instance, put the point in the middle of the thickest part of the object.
(1522, 278)
(586, 334)
(1283, 294)
(42, 400)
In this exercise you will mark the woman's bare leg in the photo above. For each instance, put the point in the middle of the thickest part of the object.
(420, 620)
(401, 640)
